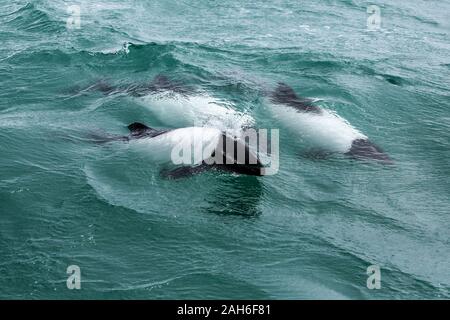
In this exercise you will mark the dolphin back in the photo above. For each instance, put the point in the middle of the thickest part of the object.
(285, 95)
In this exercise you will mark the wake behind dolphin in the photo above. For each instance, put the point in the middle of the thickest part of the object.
(320, 128)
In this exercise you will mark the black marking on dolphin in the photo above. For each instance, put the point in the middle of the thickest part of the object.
(139, 130)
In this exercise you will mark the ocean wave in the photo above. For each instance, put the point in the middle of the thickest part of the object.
(30, 18)
(129, 56)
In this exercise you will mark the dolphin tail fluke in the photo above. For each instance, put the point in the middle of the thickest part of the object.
(365, 149)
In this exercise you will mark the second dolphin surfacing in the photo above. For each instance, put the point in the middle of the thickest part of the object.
(177, 105)
(321, 128)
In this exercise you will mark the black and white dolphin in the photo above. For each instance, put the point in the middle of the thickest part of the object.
(211, 149)
(177, 105)
(320, 128)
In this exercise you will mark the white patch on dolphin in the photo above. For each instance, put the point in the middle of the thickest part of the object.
(199, 109)
(169, 146)
(325, 130)
(174, 105)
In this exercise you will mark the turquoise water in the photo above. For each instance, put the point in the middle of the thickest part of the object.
(309, 231)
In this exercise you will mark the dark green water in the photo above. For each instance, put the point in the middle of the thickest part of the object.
(309, 231)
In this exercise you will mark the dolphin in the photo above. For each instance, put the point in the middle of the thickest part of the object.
(177, 105)
(219, 150)
(321, 128)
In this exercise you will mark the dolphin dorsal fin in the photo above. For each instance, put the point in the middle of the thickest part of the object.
(138, 128)
(161, 80)
(284, 94)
